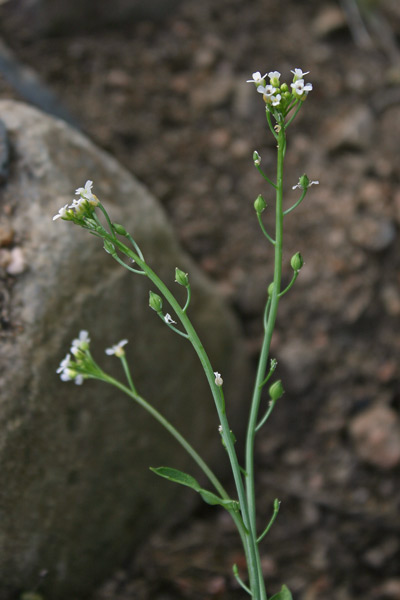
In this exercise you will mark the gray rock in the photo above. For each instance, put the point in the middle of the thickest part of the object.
(54, 16)
(76, 494)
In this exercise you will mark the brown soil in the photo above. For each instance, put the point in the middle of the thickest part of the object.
(169, 100)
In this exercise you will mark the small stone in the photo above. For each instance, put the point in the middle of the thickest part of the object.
(352, 130)
(372, 232)
(376, 435)
(328, 21)
(6, 235)
(17, 264)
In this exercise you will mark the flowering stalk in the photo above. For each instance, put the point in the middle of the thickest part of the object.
(282, 103)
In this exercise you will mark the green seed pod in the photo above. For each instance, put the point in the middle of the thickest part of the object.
(119, 229)
(181, 277)
(276, 390)
(270, 289)
(296, 262)
(155, 302)
(259, 204)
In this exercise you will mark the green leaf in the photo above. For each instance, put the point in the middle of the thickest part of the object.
(177, 476)
(213, 499)
(284, 594)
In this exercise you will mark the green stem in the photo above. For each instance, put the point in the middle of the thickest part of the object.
(128, 373)
(259, 169)
(266, 416)
(189, 295)
(171, 429)
(295, 275)
(250, 539)
(269, 238)
(271, 522)
(251, 430)
(287, 211)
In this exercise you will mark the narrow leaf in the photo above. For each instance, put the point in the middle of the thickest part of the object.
(284, 594)
(178, 477)
(213, 499)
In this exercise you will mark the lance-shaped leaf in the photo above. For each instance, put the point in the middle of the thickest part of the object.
(213, 499)
(284, 594)
(186, 479)
(177, 476)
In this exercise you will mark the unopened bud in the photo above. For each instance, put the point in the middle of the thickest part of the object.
(109, 247)
(304, 181)
(155, 302)
(276, 390)
(119, 229)
(259, 204)
(181, 277)
(284, 88)
(256, 158)
(296, 262)
(218, 379)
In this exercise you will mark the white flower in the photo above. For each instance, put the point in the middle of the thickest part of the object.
(64, 364)
(218, 379)
(299, 87)
(299, 74)
(61, 213)
(67, 371)
(274, 74)
(220, 428)
(276, 100)
(169, 320)
(267, 90)
(117, 349)
(298, 185)
(257, 78)
(80, 343)
(86, 193)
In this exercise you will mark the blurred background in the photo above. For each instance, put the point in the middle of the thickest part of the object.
(161, 86)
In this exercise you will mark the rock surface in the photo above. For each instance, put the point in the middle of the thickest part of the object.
(76, 494)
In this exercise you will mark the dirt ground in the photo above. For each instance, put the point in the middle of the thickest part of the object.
(169, 100)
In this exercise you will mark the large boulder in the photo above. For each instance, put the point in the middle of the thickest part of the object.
(76, 494)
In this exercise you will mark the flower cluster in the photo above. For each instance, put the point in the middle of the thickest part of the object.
(80, 207)
(75, 369)
(278, 95)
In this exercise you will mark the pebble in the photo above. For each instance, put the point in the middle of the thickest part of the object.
(376, 436)
(329, 20)
(352, 130)
(17, 264)
(372, 232)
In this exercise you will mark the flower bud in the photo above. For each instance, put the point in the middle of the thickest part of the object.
(119, 229)
(284, 87)
(218, 379)
(109, 247)
(276, 390)
(259, 204)
(304, 181)
(256, 158)
(155, 302)
(296, 262)
(181, 277)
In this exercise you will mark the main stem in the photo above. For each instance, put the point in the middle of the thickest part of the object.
(262, 364)
(250, 540)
